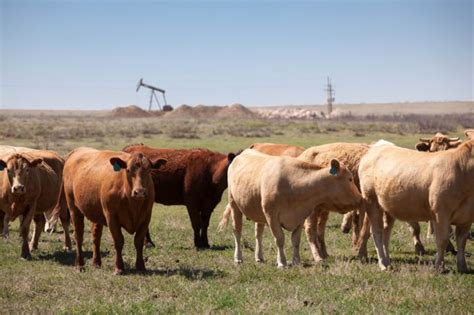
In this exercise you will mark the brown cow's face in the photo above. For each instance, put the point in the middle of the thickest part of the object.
(439, 142)
(342, 191)
(138, 169)
(18, 170)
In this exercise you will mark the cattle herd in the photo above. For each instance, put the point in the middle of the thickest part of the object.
(279, 185)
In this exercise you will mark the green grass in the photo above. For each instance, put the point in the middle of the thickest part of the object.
(183, 280)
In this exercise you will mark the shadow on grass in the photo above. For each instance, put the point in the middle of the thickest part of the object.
(189, 273)
(67, 257)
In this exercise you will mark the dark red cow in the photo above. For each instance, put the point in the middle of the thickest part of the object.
(195, 178)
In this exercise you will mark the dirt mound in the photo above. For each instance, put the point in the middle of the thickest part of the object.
(131, 111)
(234, 111)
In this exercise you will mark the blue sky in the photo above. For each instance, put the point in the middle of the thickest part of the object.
(90, 54)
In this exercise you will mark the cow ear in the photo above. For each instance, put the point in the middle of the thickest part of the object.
(230, 157)
(422, 146)
(35, 162)
(158, 163)
(335, 167)
(3, 165)
(469, 133)
(118, 164)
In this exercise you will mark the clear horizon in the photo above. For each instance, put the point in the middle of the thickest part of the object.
(89, 55)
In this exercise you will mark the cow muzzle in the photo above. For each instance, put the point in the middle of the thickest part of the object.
(139, 193)
(18, 189)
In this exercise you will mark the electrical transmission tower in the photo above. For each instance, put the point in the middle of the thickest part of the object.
(331, 93)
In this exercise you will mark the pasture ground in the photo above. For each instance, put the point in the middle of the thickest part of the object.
(183, 280)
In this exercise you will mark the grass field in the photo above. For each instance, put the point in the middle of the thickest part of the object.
(181, 279)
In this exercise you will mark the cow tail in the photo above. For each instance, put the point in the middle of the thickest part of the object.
(57, 211)
(225, 218)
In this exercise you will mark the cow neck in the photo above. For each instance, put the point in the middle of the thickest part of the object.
(311, 183)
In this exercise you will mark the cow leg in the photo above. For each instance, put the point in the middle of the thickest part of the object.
(2, 218)
(96, 236)
(347, 220)
(430, 230)
(65, 222)
(279, 237)
(24, 231)
(259, 228)
(415, 233)
(462, 233)
(364, 236)
(387, 231)
(295, 241)
(148, 242)
(450, 248)
(205, 218)
(78, 222)
(311, 230)
(321, 230)
(196, 223)
(357, 222)
(441, 229)
(139, 242)
(375, 215)
(117, 235)
(237, 229)
(5, 222)
(39, 226)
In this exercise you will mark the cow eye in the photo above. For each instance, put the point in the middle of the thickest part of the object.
(350, 179)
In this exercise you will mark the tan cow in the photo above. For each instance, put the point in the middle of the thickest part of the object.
(278, 149)
(28, 188)
(439, 142)
(282, 192)
(113, 189)
(418, 186)
(349, 154)
(56, 162)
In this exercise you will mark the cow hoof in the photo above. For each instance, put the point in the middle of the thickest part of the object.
(67, 248)
(26, 257)
(118, 272)
(260, 260)
(420, 250)
(281, 266)
(238, 261)
(97, 264)
(149, 245)
(80, 268)
(295, 263)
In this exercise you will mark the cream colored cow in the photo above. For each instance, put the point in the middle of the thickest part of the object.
(419, 186)
(282, 192)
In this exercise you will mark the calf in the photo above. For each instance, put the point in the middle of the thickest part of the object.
(113, 189)
(195, 178)
(282, 192)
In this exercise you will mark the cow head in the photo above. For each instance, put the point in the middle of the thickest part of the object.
(18, 168)
(343, 194)
(439, 142)
(138, 169)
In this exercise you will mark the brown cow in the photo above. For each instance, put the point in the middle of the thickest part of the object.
(113, 189)
(195, 178)
(28, 188)
(439, 142)
(55, 161)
